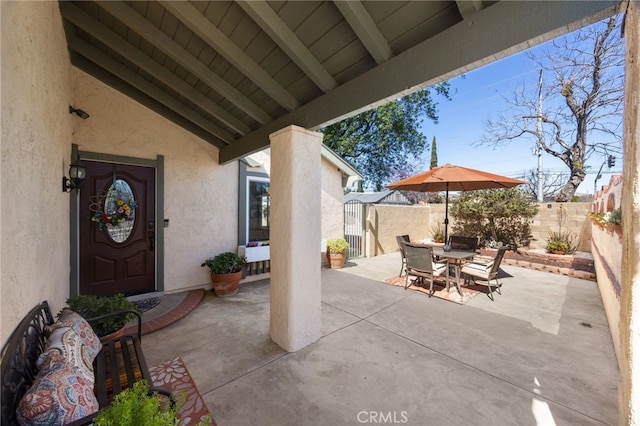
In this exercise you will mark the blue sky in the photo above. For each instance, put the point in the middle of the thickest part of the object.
(475, 98)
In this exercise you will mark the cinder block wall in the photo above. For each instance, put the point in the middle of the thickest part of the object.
(384, 222)
(574, 220)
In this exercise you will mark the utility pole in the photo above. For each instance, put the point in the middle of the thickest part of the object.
(538, 149)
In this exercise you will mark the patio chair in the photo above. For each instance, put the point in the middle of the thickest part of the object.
(458, 242)
(420, 264)
(402, 239)
(486, 271)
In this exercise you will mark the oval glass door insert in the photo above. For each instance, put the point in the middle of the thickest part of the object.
(120, 205)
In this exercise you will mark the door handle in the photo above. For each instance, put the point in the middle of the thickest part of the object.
(151, 234)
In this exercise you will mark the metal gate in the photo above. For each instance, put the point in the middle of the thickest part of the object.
(354, 226)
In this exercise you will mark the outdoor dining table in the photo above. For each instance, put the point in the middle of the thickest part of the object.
(454, 258)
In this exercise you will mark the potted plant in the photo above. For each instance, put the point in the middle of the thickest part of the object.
(226, 272)
(89, 306)
(561, 243)
(437, 233)
(337, 252)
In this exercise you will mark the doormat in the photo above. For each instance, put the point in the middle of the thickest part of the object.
(173, 375)
(439, 290)
(145, 305)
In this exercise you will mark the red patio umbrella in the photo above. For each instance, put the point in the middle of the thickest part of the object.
(453, 178)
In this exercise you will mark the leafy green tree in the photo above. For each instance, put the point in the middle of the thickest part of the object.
(434, 153)
(385, 140)
(495, 216)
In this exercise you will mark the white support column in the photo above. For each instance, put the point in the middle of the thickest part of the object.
(295, 237)
(629, 384)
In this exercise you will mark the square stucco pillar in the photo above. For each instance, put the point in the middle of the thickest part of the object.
(295, 237)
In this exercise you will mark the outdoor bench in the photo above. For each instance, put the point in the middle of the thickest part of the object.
(46, 360)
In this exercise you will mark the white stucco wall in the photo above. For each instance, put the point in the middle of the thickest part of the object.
(201, 196)
(36, 133)
(332, 202)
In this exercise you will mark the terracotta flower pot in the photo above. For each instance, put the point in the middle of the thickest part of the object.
(225, 285)
(336, 260)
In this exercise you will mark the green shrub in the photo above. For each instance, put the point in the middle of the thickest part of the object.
(136, 406)
(337, 246)
(496, 216)
(225, 263)
(89, 306)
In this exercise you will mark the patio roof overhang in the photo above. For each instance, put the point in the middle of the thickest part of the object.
(234, 72)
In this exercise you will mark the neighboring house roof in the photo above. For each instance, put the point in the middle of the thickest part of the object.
(383, 197)
(349, 174)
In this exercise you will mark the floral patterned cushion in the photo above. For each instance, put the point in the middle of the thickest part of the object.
(68, 318)
(71, 340)
(66, 350)
(63, 390)
(58, 397)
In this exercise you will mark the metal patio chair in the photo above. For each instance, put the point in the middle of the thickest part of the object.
(458, 242)
(421, 265)
(402, 239)
(486, 271)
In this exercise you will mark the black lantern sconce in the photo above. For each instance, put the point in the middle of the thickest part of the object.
(77, 174)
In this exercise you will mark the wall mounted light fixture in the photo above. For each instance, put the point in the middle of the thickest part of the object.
(80, 113)
(77, 174)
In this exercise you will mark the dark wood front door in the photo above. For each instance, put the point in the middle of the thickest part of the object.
(117, 229)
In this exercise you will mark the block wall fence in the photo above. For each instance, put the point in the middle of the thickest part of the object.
(384, 222)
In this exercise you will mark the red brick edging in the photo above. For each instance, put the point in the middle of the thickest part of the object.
(187, 305)
(556, 264)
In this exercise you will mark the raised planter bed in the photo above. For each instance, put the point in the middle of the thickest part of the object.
(579, 264)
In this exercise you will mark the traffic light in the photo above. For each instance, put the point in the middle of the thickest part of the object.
(611, 161)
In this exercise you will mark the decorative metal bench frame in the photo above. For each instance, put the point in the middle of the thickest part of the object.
(119, 364)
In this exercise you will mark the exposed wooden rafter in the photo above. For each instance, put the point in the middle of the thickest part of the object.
(131, 18)
(415, 68)
(102, 33)
(200, 25)
(271, 24)
(232, 72)
(469, 7)
(367, 31)
(151, 90)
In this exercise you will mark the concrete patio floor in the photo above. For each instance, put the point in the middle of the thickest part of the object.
(540, 354)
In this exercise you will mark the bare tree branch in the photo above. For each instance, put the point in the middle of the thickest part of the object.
(582, 97)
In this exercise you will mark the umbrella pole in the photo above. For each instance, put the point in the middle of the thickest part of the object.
(446, 216)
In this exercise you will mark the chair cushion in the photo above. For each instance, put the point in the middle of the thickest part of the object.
(482, 259)
(438, 268)
(477, 268)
